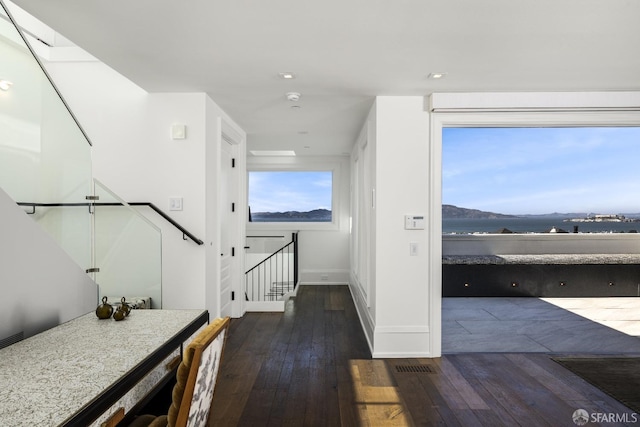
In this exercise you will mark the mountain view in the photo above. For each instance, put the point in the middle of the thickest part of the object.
(316, 215)
(450, 211)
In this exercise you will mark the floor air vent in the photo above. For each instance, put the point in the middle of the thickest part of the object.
(414, 369)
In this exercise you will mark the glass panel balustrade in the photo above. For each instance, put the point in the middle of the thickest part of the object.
(45, 166)
(127, 251)
(44, 154)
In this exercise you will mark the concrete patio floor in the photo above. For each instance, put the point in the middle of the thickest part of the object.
(541, 325)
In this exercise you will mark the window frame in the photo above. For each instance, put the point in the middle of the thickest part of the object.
(335, 170)
(513, 118)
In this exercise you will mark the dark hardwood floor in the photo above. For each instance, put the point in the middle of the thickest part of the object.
(311, 366)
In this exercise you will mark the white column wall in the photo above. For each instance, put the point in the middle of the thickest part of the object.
(399, 303)
(402, 178)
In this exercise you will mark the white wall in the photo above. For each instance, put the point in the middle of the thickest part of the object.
(400, 315)
(134, 155)
(402, 178)
(41, 285)
(323, 248)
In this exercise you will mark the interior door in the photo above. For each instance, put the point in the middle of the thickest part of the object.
(227, 226)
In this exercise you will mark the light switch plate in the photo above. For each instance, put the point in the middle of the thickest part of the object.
(413, 249)
(175, 203)
(178, 131)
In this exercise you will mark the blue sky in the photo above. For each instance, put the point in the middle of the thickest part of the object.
(542, 170)
(289, 191)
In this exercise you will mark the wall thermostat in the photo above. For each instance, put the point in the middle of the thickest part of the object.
(413, 222)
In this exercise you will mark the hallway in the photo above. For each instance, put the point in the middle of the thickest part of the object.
(311, 366)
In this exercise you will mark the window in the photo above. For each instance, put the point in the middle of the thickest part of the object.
(532, 178)
(291, 196)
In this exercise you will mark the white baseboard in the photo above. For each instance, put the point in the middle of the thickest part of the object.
(367, 323)
(324, 283)
(265, 306)
(323, 277)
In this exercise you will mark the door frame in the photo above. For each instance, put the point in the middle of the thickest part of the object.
(237, 194)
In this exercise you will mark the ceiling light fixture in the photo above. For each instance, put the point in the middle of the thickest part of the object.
(436, 76)
(5, 84)
(287, 75)
(293, 96)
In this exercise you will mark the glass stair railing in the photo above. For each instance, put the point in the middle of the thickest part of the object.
(127, 250)
(45, 163)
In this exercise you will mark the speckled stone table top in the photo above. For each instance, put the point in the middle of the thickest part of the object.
(50, 377)
(564, 259)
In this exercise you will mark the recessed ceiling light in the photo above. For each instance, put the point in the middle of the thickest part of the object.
(287, 75)
(436, 76)
(5, 84)
(273, 152)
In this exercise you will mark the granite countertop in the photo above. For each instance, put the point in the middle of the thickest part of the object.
(49, 377)
(577, 259)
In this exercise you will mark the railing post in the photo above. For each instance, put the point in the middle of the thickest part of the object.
(294, 238)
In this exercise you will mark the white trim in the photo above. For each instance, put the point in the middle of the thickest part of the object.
(367, 323)
(403, 329)
(434, 239)
(285, 164)
(403, 355)
(237, 176)
(333, 276)
(265, 306)
(535, 101)
(230, 135)
(323, 283)
(513, 118)
(403, 341)
(360, 287)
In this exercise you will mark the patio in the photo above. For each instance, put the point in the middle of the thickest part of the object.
(541, 325)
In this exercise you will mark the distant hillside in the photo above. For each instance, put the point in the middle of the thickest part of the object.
(450, 211)
(316, 215)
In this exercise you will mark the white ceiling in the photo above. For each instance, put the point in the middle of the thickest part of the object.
(345, 52)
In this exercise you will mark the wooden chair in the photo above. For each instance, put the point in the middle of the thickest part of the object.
(196, 379)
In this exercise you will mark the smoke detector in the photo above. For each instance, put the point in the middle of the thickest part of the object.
(293, 96)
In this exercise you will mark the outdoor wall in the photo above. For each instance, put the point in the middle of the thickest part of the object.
(564, 243)
(41, 285)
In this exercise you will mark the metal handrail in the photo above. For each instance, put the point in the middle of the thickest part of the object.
(185, 232)
(278, 289)
(269, 257)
